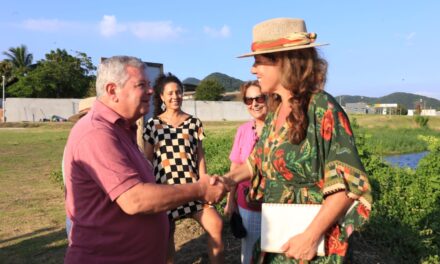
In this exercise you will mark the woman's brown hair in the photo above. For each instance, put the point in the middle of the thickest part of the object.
(244, 86)
(303, 73)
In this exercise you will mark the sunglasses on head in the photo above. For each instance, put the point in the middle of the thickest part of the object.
(260, 99)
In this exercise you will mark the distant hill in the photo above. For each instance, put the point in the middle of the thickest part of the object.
(229, 83)
(408, 100)
(191, 81)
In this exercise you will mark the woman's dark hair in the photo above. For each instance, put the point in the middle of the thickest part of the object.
(161, 81)
(303, 73)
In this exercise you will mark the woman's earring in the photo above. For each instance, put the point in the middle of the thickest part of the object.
(163, 106)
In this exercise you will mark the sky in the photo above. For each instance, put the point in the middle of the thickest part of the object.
(376, 47)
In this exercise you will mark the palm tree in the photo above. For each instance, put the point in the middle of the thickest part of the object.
(20, 58)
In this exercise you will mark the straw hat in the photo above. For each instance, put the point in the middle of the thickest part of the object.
(281, 34)
(83, 107)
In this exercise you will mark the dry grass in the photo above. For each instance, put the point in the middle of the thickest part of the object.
(393, 122)
(32, 218)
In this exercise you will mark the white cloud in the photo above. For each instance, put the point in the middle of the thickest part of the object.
(160, 30)
(148, 30)
(109, 26)
(407, 38)
(48, 25)
(410, 36)
(223, 32)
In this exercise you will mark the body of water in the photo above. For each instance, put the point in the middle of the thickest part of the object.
(406, 160)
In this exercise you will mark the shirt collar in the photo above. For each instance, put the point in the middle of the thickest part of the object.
(108, 114)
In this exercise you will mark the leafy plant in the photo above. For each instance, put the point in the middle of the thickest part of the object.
(406, 205)
(422, 121)
(209, 90)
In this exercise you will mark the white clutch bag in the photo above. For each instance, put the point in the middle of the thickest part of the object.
(280, 222)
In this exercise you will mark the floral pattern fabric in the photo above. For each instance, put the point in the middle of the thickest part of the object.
(325, 162)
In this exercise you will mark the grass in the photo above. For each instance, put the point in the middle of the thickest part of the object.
(32, 215)
(393, 122)
(32, 206)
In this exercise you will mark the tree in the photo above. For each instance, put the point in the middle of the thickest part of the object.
(209, 90)
(20, 58)
(60, 75)
(6, 69)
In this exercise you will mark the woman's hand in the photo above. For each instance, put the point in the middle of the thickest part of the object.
(230, 207)
(301, 246)
(304, 246)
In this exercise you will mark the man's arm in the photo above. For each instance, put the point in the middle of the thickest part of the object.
(152, 198)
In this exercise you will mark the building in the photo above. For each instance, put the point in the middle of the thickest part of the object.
(424, 112)
(386, 109)
(357, 108)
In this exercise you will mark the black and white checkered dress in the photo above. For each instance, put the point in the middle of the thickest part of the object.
(175, 156)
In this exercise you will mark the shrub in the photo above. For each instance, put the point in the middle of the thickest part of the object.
(406, 209)
(422, 121)
(209, 90)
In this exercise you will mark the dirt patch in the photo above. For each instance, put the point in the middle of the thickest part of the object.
(191, 242)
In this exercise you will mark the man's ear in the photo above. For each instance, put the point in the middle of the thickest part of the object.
(111, 90)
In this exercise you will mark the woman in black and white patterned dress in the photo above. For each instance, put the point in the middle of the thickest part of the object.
(173, 143)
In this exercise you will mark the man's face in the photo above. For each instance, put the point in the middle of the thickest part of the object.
(134, 97)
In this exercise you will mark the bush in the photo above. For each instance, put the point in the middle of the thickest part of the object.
(406, 209)
(422, 121)
(209, 90)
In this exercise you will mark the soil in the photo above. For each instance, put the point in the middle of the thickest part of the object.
(190, 240)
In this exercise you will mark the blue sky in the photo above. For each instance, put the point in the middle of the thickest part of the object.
(376, 47)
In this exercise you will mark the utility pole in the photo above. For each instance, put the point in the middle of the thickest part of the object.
(3, 99)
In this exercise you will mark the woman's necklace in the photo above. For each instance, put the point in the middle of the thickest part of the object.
(258, 126)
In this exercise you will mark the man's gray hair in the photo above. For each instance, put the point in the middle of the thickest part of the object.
(113, 70)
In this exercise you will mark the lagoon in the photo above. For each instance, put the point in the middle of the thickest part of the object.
(406, 160)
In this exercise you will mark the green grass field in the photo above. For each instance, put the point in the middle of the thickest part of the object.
(32, 205)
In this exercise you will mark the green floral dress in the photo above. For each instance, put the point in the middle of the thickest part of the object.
(326, 161)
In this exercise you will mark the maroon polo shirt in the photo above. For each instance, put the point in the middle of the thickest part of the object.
(102, 161)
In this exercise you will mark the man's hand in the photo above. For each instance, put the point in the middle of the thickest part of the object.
(228, 182)
(213, 190)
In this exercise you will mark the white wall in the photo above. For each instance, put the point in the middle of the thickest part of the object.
(34, 110)
(216, 111)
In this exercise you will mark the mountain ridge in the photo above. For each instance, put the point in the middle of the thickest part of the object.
(408, 100)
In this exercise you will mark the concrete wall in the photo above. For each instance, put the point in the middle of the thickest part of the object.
(33, 110)
(217, 111)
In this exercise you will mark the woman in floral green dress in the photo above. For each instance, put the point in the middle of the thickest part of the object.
(306, 153)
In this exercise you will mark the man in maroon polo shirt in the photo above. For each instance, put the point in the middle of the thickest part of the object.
(117, 210)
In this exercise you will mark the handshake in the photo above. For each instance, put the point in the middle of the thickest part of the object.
(215, 187)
